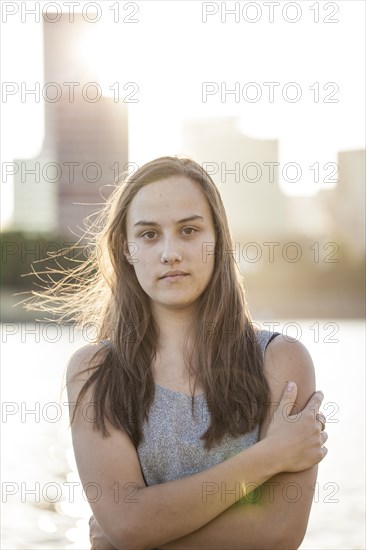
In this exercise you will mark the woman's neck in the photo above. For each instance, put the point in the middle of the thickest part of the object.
(169, 367)
(173, 325)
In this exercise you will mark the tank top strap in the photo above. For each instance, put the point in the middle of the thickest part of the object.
(106, 342)
(265, 337)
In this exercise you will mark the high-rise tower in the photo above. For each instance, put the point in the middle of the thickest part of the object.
(85, 142)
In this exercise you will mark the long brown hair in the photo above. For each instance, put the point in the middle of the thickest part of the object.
(225, 356)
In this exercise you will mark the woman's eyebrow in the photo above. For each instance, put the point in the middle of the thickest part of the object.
(183, 220)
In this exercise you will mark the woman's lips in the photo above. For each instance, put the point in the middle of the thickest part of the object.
(173, 272)
(174, 277)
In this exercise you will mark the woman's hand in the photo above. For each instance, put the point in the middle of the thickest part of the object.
(97, 538)
(298, 440)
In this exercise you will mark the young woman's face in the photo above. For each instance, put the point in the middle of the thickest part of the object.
(170, 228)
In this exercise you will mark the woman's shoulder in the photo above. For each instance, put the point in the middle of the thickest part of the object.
(279, 343)
(282, 346)
(83, 358)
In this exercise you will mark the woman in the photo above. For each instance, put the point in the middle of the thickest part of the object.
(185, 430)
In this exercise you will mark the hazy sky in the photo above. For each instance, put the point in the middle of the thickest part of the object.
(175, 47)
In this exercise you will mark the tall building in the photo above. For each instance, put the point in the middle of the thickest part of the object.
(244, 169)
(86, 139)
(345, 204)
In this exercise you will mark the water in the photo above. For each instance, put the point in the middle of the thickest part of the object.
(43, 505)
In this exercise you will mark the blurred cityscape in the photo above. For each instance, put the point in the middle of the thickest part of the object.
(300, 256)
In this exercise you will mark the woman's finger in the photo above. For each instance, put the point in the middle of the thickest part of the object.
(315, 401)
(287, 400)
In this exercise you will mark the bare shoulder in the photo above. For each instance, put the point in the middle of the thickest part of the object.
(286, 359)
(288, 351)
(83, 358)
(80, 367)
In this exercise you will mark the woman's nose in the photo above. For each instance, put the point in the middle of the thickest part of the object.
(170, 252)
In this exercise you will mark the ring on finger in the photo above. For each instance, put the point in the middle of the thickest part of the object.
(321, 418)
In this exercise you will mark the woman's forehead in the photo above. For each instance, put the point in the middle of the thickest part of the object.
(175, 194)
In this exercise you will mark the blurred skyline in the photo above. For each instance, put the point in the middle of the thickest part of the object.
(169, 69)
(293, 204)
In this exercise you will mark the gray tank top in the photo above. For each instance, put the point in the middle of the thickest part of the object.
(171, 447)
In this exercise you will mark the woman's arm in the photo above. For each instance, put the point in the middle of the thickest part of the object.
(277, 515)
(135, 516)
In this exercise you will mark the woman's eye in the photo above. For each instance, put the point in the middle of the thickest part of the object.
(149, 235)
(189, 230)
